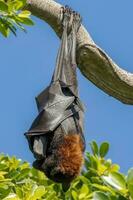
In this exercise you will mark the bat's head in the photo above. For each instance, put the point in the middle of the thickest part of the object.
(65, 162)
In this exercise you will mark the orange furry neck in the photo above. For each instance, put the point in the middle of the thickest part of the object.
(70, 154)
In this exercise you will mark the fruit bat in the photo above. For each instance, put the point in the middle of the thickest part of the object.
(56, 135)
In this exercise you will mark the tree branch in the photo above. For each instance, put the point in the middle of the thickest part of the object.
(93, 62)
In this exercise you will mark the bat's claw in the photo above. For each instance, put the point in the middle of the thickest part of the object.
(77, 20)
(70, 17)
(61, 16)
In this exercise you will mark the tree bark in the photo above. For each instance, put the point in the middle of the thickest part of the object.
(92, 61)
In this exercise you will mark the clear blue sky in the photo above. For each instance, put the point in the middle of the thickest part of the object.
(27, 63)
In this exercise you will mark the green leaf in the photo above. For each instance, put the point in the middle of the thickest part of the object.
(3, 6)
(24, 14)
(4, 191)
(15, 21)
(19, 5)
(3, 166)
(86, 163)
(19, 192)
(130, 181)
(96, 179)
(103, 188)
(104, 148)
(23, 174)
(83, 192)
(15, 5)
(24, 165)
(12, 197)
(93, 161)
(116, 180)
(38, 193)
(26, 21)
(130, 188)
(85, 180)
(130, 176)
(4, 29)
(13, 29)
(74, 195)
(94, 147)
(50, 196)
(114, 168)
(121, 198)
(100, 196)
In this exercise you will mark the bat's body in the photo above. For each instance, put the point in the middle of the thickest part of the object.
(56, 135)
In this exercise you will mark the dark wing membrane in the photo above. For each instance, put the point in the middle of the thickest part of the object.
(59, 104)
(56, 109)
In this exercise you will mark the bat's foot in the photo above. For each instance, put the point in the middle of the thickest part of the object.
(70, 17)
(66, 15)
(77, 20)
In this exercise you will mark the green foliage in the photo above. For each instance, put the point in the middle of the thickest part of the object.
(12, 16)
(100, 180)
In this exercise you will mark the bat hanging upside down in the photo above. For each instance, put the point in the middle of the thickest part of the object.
(56, 136)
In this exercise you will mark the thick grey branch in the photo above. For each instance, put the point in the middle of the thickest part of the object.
(93, 62)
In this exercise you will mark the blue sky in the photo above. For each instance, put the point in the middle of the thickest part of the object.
(27, 63)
